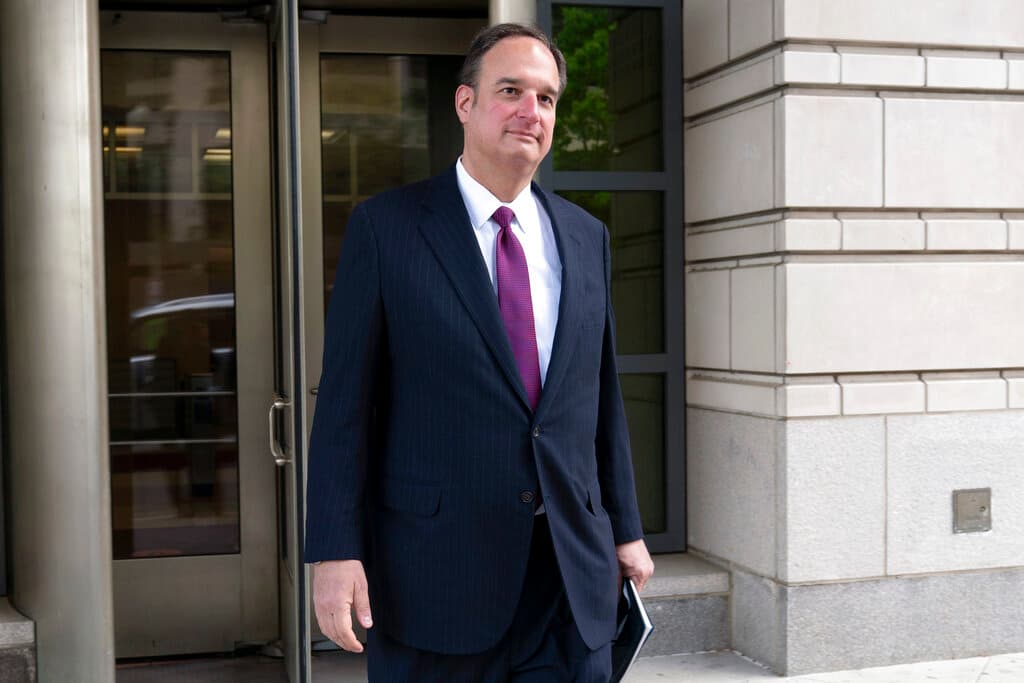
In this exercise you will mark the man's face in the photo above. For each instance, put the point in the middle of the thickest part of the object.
(508, 121)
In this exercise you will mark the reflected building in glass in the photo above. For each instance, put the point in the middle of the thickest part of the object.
(170, 303)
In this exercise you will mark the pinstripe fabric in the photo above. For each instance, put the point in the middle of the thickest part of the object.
(423, 439)
(543, 644)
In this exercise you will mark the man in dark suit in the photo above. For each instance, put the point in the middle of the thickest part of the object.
(470, 474)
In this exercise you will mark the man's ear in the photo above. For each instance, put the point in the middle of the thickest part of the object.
(464, 97)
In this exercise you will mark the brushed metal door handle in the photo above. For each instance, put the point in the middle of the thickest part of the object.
(280, 403)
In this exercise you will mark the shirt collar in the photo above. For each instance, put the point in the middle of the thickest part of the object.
(481, 203)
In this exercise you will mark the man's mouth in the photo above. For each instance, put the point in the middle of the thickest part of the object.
(523, 134)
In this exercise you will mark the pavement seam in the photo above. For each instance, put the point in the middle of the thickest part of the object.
(984, 669)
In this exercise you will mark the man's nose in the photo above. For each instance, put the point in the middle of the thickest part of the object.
(529, 108)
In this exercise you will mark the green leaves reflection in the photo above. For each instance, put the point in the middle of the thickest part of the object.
(584, 128)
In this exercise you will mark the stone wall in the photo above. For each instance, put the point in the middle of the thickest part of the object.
(854, 212)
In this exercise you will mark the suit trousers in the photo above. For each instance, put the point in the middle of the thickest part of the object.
(542, 645)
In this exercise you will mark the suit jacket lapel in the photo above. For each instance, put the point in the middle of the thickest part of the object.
(447, 230)
(567, 328)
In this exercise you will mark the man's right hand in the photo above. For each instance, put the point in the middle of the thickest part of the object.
(338, 587)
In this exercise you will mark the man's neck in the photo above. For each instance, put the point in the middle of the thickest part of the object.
(506, 186)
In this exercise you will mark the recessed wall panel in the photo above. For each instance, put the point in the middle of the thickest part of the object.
(903, 316)
(946, 153)
(732, 498)
(730, 165)
(750, 26)
(835, 499)
(960, 23)
(705, 35)
(752, 312)
(833, 151)
(707, 319)
(931, 455)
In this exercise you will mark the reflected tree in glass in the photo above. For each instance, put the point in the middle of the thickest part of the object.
(610, 115)
(583, 140)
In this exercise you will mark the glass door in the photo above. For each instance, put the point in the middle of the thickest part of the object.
(187, 214)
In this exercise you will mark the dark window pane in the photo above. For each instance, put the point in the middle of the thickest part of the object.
(170, 294)
(174, 499)
(374, 130)
(168, 217)
(644, 398)
(386, 120)
(166, 122)
(197, 416)
(635, 223)
(373, 123)
(610, 115)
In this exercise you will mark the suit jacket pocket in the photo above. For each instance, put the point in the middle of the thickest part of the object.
(414, 497)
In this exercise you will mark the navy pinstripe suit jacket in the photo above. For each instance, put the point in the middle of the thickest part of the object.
(423, 441)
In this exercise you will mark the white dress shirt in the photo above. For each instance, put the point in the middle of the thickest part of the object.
(532, 227)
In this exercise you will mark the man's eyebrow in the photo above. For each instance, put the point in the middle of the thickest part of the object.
(508, 80)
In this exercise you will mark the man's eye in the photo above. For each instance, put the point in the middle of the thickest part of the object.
(508, 90)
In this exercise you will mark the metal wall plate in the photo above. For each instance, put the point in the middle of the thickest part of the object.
(972, 510)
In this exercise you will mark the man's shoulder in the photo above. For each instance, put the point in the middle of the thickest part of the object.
(398, 210)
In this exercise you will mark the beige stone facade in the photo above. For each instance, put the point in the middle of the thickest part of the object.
(855, 322)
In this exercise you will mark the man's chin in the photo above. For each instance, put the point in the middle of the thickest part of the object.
(525, 152)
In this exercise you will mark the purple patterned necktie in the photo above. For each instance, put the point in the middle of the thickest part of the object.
(516, 304)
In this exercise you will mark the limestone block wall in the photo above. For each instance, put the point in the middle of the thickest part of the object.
(854, 207)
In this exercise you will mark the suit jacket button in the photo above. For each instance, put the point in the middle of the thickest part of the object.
(526, 496)
(536, 432)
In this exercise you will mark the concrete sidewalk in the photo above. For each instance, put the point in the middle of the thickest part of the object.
(727, 667)
(713, 667)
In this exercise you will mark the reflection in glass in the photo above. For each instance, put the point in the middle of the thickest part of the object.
(610, 115)
(170, 303)
(635, 223)
(373, 132)
(386, 120)
(174, 499)
(644, 399)
(160, 417)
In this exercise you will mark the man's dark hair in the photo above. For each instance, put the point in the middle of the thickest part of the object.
(491, 36)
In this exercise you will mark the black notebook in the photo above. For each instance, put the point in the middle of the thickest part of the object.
(633, 630)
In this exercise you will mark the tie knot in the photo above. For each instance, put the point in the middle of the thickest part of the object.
(503, 216)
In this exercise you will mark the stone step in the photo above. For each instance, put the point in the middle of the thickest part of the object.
(17, 645)
(688, 602)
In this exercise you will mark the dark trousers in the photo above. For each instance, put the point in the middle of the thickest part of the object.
(542, 645)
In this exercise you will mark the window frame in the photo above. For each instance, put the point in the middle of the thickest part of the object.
(3, 416)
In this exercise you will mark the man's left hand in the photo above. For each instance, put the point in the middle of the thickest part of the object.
(635, 562)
